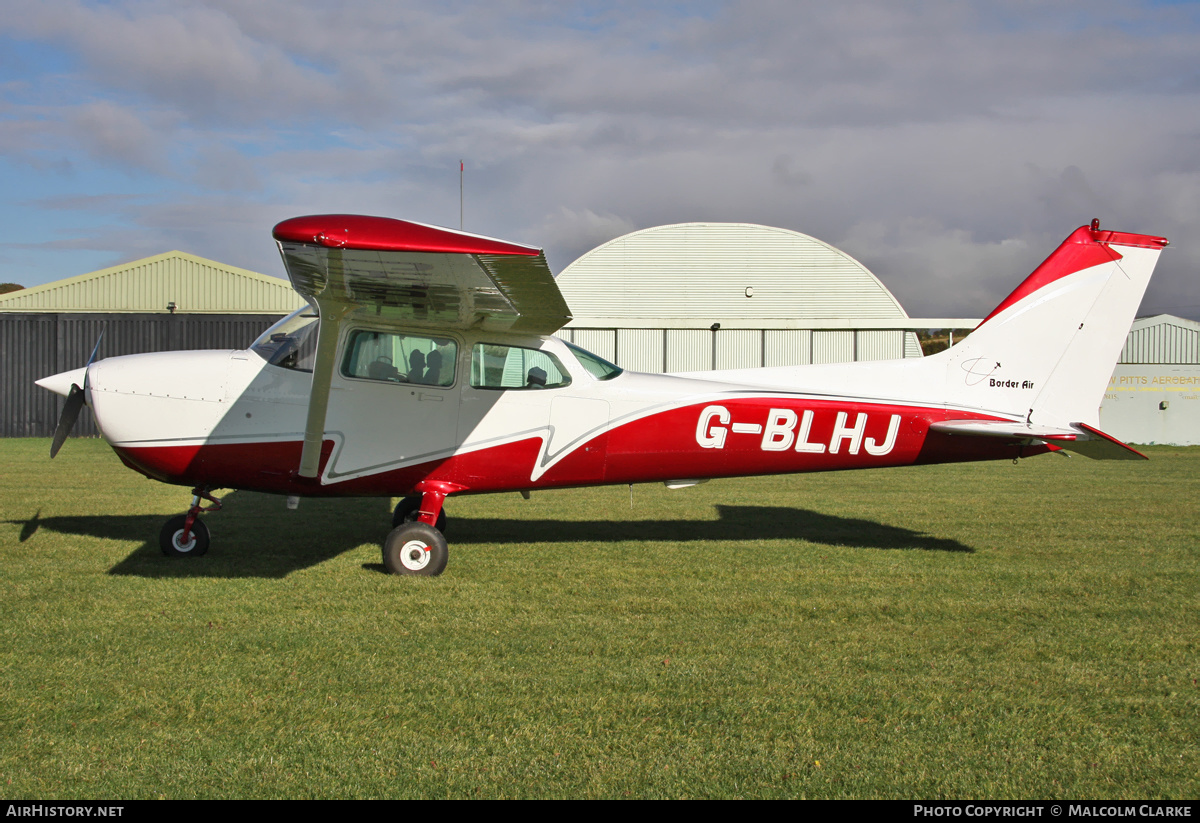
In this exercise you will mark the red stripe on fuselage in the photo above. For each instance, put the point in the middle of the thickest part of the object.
(665, 446)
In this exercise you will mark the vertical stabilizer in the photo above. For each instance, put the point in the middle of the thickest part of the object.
(1046, 353)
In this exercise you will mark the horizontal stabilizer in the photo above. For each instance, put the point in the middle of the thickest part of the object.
(1080, 438)
(1002, 428)
(1100, 446)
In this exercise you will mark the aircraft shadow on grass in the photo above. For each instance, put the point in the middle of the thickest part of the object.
(254, 536)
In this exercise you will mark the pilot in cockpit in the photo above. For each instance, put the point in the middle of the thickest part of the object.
(536, 378)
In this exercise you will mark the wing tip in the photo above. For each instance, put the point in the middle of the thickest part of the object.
(365, 232)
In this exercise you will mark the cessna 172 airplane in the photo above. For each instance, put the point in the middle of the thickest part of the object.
(425, 367)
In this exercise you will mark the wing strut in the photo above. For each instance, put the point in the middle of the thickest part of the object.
(318, 401)
(331, 311)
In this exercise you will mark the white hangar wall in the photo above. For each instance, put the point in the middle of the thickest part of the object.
(698, 296)
(1154, 394)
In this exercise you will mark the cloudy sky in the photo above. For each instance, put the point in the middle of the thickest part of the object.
(949, 146)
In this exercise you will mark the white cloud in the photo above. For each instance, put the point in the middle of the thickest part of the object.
(115, 134)
(191, 58)
(577, 232)
(939, 271)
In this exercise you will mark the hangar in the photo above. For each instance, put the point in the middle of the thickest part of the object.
(171, 301)
(699, 296)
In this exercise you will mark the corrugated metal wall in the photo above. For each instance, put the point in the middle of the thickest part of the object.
(738, 348)
(1163, 339)
(685, 350)
(833, 346)
(786, 347)
(878, 345)
(688, 350)
(34, 345)
(642, 349)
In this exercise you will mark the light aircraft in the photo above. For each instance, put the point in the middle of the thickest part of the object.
(424, 367)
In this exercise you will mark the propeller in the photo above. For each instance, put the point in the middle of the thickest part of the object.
(75, 400)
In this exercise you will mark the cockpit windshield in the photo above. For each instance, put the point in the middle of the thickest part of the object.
(292, 342)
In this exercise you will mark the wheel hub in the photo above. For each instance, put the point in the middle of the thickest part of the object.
(415, 555)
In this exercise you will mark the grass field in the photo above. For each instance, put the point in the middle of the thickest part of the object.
(982, 631)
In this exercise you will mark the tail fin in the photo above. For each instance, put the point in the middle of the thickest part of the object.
(1046, 353)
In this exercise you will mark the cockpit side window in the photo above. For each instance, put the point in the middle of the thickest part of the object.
(495, 366)
(597, 366)
(400, 358)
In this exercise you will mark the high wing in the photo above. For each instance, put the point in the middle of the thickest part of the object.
(423, 274)
(414, 273)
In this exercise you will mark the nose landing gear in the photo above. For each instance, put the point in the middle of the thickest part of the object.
(185, 535)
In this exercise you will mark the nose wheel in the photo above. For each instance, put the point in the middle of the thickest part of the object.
(185, 535)
(175, 542)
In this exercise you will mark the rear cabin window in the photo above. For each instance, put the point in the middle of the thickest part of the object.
(400, 358)
(511, 367)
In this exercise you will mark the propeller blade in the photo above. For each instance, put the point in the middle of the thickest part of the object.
(66, 422)
(95, 348)
(75, 398)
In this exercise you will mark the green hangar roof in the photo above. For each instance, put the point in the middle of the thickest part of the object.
(194, 285)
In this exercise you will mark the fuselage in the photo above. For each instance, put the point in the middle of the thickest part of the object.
(497, 413)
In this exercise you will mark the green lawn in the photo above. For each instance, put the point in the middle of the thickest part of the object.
(977, 631)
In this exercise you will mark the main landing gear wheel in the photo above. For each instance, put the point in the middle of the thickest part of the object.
(171, 541)
(415, 549)
(406, 512)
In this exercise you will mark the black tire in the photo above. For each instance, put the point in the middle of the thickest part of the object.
(406, 512)
(415, 549)
(172, 531)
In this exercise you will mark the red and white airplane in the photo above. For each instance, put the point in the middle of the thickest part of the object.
(425, 368)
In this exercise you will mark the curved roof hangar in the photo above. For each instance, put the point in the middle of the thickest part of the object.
(735, 273)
